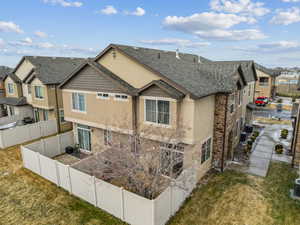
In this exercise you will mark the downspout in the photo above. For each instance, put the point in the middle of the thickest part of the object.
(224, 139)
(57, 110)
(295, 139)
(134, 119)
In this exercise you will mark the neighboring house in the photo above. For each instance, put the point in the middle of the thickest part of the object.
(4, 71)
(287, 84)
(32, 88)
(265, 85)
(126, 90)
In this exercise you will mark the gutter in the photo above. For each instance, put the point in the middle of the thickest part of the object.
(224, 139)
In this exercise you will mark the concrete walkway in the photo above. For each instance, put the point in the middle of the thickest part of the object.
(263, 153)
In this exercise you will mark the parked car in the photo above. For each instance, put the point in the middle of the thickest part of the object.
(261, 101)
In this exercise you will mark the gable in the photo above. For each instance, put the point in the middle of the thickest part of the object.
(89, 79)
(127, 69)
(23, 69)
(155, 91)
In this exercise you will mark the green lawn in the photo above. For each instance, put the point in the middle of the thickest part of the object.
(228, 198)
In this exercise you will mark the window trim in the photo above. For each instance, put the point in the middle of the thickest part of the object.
(85, 104)
(102, 97)
(8, 88)
(35, 93)
(158, 124)
(211, 149)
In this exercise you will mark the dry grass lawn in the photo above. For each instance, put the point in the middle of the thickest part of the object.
(230, 198)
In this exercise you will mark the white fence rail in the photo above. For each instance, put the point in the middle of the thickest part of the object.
(20, 134)
(127, 206)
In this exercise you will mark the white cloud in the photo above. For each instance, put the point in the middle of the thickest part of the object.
(9, 27)
(287, 17)
(232, 35)
(2, 43)
(41, 34)
(204, 21)
(245, 7)
(64, 3)
(211, 25)
(138, 12)
(274, 47)
(176, 42)
(290, 0)
(109, 10)
(28, 42)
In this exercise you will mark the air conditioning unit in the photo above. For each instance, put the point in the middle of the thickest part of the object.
(297, 188)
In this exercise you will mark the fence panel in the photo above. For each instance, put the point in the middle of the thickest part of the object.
(82, 185)
(48, 127)
(34, 130)
(52, 147)
(137, 210)
(36, 146)
(31, 160)
(162, 207)
(109, 198)
(64, 178)
(178, 196)
(48, 169)
(66, 139)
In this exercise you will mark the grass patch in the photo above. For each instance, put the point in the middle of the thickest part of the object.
(230, 198)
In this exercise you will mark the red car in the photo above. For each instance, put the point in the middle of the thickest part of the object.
(261, 101)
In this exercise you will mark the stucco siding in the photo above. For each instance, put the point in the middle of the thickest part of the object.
(127, 69)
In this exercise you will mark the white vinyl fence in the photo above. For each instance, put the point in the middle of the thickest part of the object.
(20, 134)
(125, 205)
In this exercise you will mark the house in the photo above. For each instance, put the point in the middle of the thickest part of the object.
(3, 73)
(32, 88)
(265, 85)
(126, 90)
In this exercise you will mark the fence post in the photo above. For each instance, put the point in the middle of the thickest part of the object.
(171, 200)
(95, 191)
(39, 162)
(41, 129)
(69, 177)
(59, 143)
(122, 204)
(57, 173)
(43, 146)
(153, 212)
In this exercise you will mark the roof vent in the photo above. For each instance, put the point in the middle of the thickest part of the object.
(177, 53)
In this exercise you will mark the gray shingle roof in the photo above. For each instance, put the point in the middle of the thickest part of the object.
(53, 70)
(246, 66)
(200, 79)
(13, 101)
(4, 71)
(271, 72)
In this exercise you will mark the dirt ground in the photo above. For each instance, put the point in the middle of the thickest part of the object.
(228, 198)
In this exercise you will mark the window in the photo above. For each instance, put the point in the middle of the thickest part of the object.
(206, 150)
(39, 92)
(263, 81)
(84, 137)
(46, 115)
(62, 116)
(10, 88)
(78, 102)
(107, 138)
(157, 111)
(232, 103)
(121, 97)
(103, 95)
(171, 159)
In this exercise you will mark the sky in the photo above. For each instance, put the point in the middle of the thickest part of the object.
(267, 31)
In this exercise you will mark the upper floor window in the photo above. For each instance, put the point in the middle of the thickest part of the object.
(103, 95)
(206, 150)
(39, 92)
(157, 111)
(10, 88)
(78, 102)
(232, 103)
(263, 81)
(121, 97)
